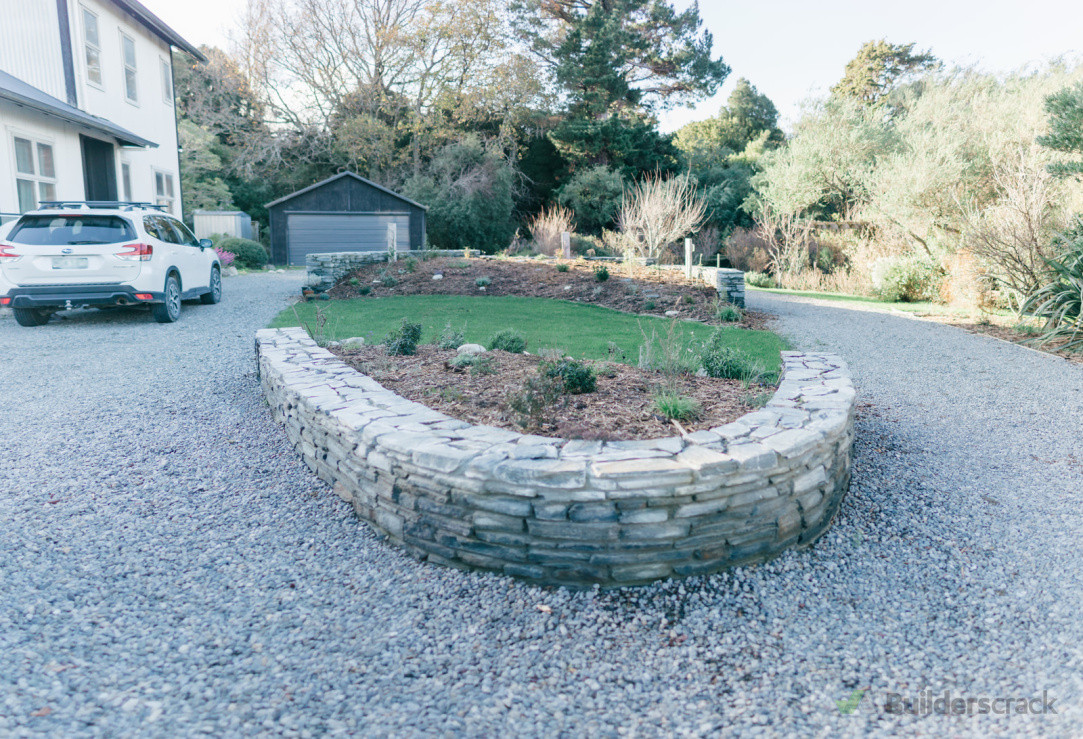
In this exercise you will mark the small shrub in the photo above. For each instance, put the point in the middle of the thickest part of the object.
(531, 402)
(388, 280)
(483, 282)
(649, 305)
(364, 290)
(562, 268)
(250, 254)
(478, 364)
(760, 399)
(354, 281)
(411, 264)
(728, 313)
(508, 340)
(908, 280)
(687, 299)
(449, 338)
(759, 279)
(601, 273)
(675, 406)
(577, 377)
(724, 361)
(225, 258)
(404, 339)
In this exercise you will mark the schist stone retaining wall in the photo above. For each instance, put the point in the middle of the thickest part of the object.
(569, 511)
(324, 270)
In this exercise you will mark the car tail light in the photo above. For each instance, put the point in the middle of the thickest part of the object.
(137, 252)
(6, 251)
(5, 301)
(144, 296)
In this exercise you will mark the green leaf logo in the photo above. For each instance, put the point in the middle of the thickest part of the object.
(849, 705)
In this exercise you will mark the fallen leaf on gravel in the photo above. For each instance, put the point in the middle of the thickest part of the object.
(544, 609)
(42, 712)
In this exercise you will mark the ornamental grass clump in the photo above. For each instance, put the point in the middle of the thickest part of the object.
(676, 407)
(450, 338)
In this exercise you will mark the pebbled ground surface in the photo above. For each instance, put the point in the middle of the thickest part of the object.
(168, 567)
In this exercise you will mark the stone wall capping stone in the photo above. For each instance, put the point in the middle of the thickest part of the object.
(570, 512)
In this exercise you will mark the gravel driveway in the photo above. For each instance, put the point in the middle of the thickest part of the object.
(168, 566)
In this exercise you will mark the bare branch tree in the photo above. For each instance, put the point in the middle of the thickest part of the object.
(658, 212)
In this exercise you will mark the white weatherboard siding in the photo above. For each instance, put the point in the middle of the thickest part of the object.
(30, 44)
(67, 156)
(30, 50)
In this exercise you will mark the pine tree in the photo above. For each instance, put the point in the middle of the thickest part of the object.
(1065, 109)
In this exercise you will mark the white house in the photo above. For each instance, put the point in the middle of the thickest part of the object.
(86, 104)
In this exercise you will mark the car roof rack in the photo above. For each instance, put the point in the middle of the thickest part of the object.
(88, 204)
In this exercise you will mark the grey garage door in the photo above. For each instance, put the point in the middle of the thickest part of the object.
(313, 233)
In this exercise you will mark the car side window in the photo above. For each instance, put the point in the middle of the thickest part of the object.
(158, 229)
(184, 236)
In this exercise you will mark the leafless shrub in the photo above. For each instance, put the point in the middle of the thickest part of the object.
(747, 251)
(547, 226)
(658, 212)
(1014, 235)
(787, 239)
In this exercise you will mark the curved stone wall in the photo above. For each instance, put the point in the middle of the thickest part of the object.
(569, 511)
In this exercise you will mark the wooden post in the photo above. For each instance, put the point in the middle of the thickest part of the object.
(718, 261)
(566, 244)
(688, 258)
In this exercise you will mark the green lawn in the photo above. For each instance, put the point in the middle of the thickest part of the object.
(583, 331)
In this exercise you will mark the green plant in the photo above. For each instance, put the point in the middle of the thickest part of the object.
(317, 328)
(388, 280)
(649, 305)
(687, 299)
(601, 273)
(728, 313)
(562, 267)
(721, 360)
(759, 399)
(364, 290)
(669, 352)
(1060, 301)
(250, 254)
(449, 338)
(404, 339)
(478, 364)
(508, 340)
(531, 402)
(483, 282)
(577, 377)
(410, 264)
(1027, 328)
(759, 279)
(676, 407)
(354, 281)
(907, 280)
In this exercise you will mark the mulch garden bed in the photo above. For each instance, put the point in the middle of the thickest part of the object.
(631, 289)
(622, 407)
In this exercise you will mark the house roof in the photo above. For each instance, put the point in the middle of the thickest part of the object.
(158, 27)
(359, 178)
(16, 91)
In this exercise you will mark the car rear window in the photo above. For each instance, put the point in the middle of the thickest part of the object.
(60, 230)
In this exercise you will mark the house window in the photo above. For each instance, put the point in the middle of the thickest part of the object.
(126, 180)
(127, 49)
(163, 185)
(92, 48)
(35, 173)
(167, 82)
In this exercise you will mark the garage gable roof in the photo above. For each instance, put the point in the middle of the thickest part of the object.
(359, 178)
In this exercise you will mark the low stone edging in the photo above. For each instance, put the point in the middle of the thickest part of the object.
(562, 511)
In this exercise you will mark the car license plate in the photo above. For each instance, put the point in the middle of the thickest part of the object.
(70, 262)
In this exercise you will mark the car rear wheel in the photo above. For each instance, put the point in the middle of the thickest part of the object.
(31, 316)
(169, 309)
(215, 295)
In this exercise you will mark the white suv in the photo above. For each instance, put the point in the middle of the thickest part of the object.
(68, 255)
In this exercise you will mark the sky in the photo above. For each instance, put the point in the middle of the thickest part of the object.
(793, 50)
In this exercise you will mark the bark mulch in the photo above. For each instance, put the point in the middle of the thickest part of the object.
(629, 289)
(622, 407)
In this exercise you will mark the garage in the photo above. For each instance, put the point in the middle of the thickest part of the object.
(343, 213)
